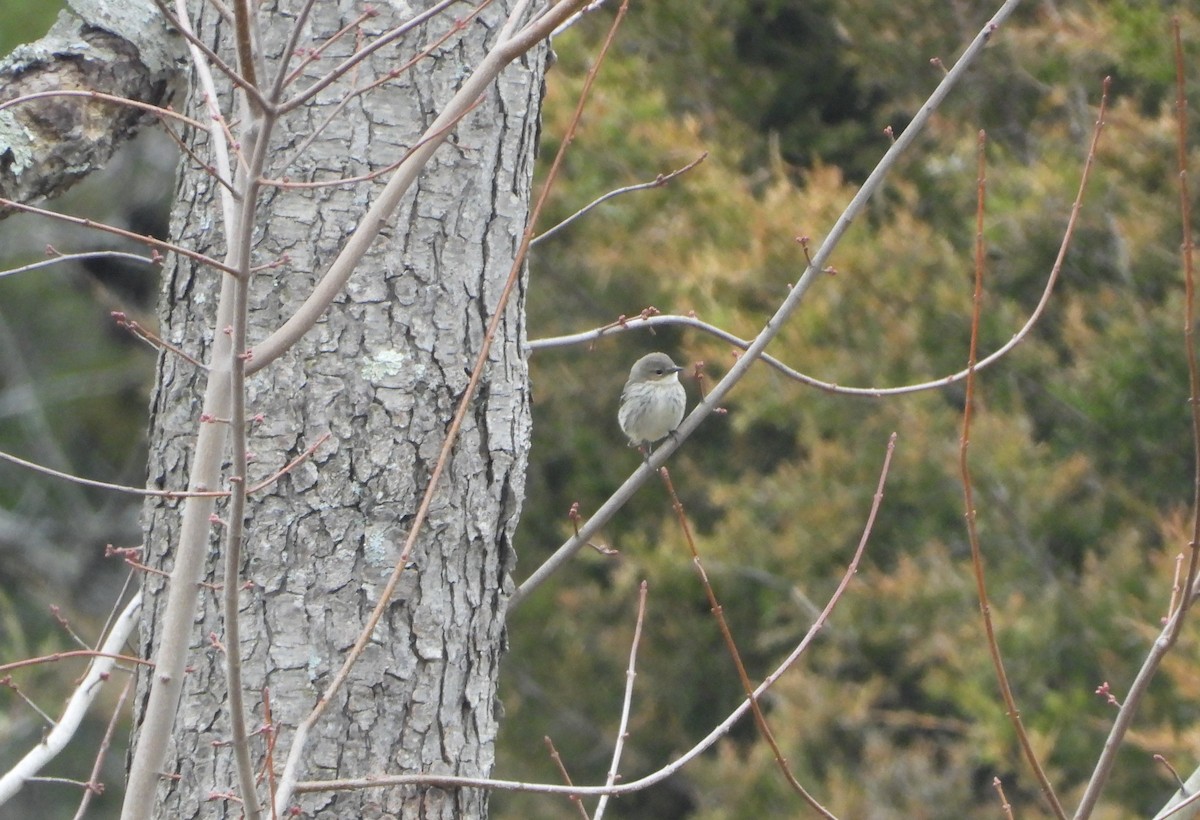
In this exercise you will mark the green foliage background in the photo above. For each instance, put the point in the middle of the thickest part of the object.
(1081, 449)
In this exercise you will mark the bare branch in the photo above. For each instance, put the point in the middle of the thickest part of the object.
(350, 62)
(776, 322)
(94, 786)
(657, 182)
(760, 720)
(356, 246)
(64, 730)
(985, 607)
(60, 258)
(100, 226)
(626, 702)
(679, 763)
(1170, 633)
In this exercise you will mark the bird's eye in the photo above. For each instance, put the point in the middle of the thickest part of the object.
(659, 371)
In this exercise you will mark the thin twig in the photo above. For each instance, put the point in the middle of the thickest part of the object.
(985, 607)
(1005, 806)
(1170, 633)
(355, 93)
(194, 42)
(718, 612)
(719, 731)
(1175, 808)
(136, 237)
(649, 321)
(94, 786)
(60, 258)
(1187, 249)
(566, 776)
(269, 755)
(311, 55)
(104, 485)
(64, 729)
(338, 273)
(168, 494)
(371, 175)
(657, 182)
(219, 138)
(342, 68)
(626, 702)
(70, 654)
(291, 465)
(289, 50)
(151, 338)
(157, 110)
(9, 684)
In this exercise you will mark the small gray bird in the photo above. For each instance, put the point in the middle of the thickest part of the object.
(653, 400)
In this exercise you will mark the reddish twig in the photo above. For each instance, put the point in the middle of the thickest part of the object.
(679, 763)
(56, 611)
(269, 754)
(1187, 249)
(136, 237)
(157, 110)
(718, 612)
(311, 55)
(94, 785)
(985, 609)
(333, 183)
(54, 657)
(291, 465)
(104, 485)
(1005, 806)
(344, 67)
(336, 112)
(168, 494)
(566, 776)
(151, 338)
(8, 683)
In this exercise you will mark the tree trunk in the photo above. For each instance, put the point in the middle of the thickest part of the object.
(382, 372)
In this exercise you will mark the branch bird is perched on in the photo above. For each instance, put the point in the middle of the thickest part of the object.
(653, 400)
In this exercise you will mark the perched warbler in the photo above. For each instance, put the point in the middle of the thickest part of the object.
(653, 400)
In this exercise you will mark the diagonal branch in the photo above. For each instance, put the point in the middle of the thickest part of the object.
(776, 322)
(66, 726)
(985, 607)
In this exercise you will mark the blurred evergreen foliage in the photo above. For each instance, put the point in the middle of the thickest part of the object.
(1081, 449)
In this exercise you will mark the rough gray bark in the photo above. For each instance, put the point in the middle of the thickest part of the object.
(120, 48)
(382, 373)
